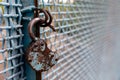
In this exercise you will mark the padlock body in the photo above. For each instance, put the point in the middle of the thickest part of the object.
(40, 57)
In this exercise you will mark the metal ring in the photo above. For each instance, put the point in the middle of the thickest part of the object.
(43, 11)
(50, 20)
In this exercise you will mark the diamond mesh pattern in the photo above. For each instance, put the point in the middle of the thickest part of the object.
(79, 25)
(78, 40)
(11, 64)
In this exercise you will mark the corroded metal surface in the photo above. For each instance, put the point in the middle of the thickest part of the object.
(40, 57)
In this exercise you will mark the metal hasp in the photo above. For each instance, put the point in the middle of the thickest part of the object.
(36, 14)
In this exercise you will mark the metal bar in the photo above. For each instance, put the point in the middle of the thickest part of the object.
(39, 75)
(36, 14)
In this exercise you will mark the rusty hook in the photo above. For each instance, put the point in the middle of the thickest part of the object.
(48, 23)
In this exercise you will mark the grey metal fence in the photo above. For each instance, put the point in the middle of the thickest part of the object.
(80, 30)
(80, 26)
(11, 64)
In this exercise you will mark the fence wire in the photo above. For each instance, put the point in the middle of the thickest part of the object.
(78, 39)
(11, 64)
(80, 30)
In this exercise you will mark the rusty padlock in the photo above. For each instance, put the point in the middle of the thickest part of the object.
(38, 55)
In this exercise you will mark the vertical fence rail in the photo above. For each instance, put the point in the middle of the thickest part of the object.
(28, 14)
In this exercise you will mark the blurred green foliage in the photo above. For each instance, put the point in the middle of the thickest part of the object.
(1, 6)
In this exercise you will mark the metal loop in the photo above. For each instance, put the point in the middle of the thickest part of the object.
(41, 11)
(40, 22)
(47, 23)
(30, 27)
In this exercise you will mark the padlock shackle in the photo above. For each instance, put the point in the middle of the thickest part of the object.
(36, 14)
(30, 27)
(40, 23)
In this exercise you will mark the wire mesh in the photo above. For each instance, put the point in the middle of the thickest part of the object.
(78, 40)
(11, 64)
(80, 30)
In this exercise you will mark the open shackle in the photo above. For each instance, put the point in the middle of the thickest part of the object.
(41, 23)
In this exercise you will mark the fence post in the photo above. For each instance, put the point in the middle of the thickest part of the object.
(27, 13)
